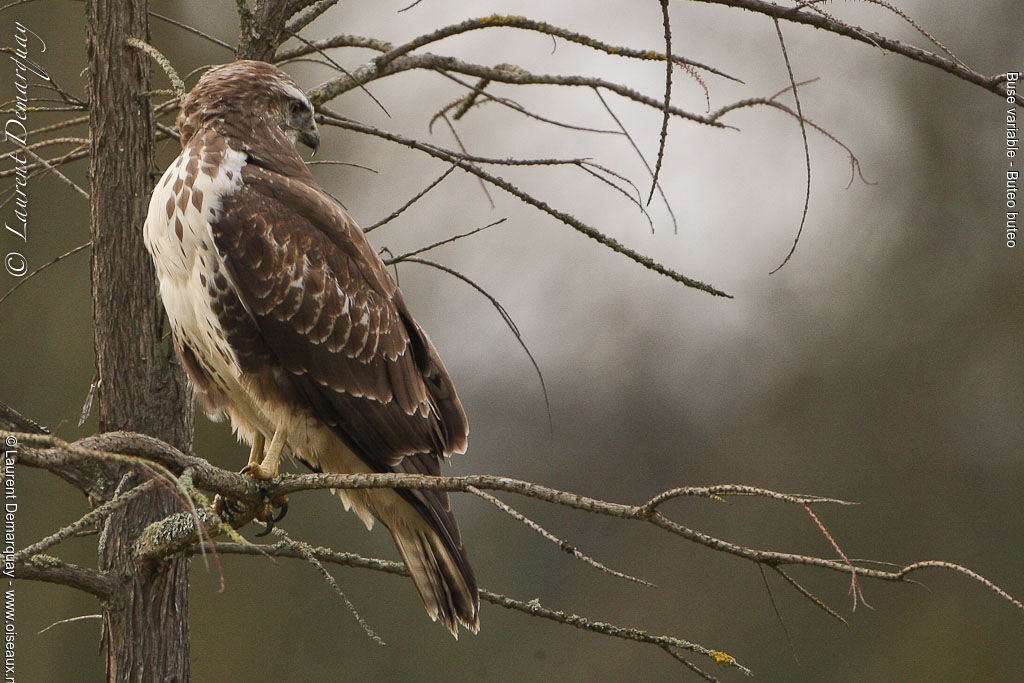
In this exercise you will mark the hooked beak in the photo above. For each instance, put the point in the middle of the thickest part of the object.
(310, 137)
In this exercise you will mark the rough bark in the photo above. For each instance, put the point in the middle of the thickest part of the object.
(262, 27)
(145, 621)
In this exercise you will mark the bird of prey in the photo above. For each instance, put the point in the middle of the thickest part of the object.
(288, 322)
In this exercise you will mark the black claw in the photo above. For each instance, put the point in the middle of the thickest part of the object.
(280, 515)
(225, 508)
(232, 508)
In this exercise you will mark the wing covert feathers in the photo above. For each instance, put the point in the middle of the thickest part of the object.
(329, 313)
(285, 317)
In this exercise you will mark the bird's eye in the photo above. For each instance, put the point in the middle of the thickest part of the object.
(295, 107)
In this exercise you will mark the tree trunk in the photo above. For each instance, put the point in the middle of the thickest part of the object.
(145, 624)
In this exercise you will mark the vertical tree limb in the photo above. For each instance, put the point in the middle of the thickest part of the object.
(145, 619)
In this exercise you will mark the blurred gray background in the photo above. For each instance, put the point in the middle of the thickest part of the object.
(882, 364)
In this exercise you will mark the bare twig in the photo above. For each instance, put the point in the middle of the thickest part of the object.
(809, 595)
(667, 112)
(940, 564)
(532, 607)
(165, 64)
(50, 165)
(93, 517)
(466, 155)
(776, 611)
(505, 73)
(855, 590)
(650, 171)
(464, 104)
(51, 570)
(563, 545)
(173, 537)
(194, 30)
(308, 15)
(312, 46)
(995, 84)
(689, 665)
(505, 316)
(855, 167)
(447, 240)
(397, 212)
(71, 620)
(497, 21)
(895, 10)
(308, 553)
(807, 148)
(41, 268)
(571, 221)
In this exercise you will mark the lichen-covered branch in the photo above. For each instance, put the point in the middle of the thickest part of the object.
(505, 73)
(532, 607)
(51, 570)
(170, 535)
(573, 222)
(817, 19)
(995, 84)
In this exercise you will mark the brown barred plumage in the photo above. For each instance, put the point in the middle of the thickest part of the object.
(286, 319)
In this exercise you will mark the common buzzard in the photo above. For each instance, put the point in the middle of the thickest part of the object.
(288, 322)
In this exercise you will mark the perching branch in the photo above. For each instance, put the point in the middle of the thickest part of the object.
(174, 533)
(178, 532)
(264, 27)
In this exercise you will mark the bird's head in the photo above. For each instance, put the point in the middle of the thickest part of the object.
(246, 95)
(298, 123)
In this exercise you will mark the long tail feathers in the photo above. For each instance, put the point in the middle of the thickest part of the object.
(448, 594)
(428, 539)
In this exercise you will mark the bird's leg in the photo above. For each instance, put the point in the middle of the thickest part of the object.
(270, 461)
(256, 454)
(226, 508)
(266, 467)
